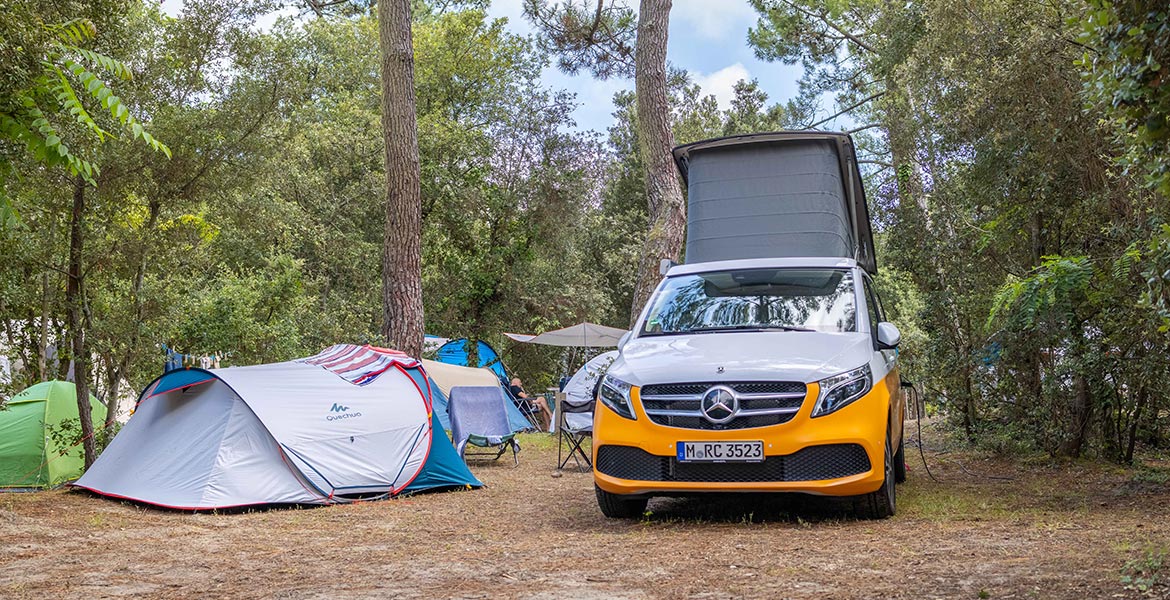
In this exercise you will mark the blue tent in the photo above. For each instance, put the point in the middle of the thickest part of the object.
(454, 352)
(439, 403)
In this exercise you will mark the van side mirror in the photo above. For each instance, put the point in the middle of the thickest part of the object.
(622, 340)
(666, 265)
(888, 336)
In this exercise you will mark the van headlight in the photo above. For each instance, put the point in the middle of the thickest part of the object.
(840, 390)
(615, 394)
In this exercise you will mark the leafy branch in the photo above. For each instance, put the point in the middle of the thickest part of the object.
(68, 68)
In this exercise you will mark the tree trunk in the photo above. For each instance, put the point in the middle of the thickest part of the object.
(43, 330)
(1131, 439)
(113, 388)
(75, 301)
(402, 307)
(663, 194)
(1078, 419)
(970, 417)
(46, 295)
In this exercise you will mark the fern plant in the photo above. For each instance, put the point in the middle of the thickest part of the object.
(68, 76)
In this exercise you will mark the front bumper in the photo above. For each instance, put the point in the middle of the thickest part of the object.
(839, 454)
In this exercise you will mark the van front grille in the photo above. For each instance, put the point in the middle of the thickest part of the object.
(761, 404)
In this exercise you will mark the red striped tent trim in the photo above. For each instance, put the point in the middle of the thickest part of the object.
(359, 365)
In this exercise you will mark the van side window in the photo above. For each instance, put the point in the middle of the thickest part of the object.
(881, 307)
(871, 305)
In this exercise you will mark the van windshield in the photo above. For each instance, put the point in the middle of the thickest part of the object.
(754, 299)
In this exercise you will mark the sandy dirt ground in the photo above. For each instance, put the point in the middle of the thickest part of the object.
(987, 529)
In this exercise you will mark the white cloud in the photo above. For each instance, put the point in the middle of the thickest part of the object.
(714, 19)
(721, 83)
(172, 7)
(513, 10)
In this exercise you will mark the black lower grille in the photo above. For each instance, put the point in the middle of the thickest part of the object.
(814, 463)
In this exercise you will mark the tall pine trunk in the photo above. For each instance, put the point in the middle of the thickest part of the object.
(75, 319)
(402, 307)
(663, 194)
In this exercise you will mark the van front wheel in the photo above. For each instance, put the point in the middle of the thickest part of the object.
(618, 506)
(881, 503)
(900, 462)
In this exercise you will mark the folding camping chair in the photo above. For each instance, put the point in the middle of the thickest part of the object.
(530, 411)
(479, 417)
(574, 425)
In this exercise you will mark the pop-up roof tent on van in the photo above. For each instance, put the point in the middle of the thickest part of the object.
(770, 195)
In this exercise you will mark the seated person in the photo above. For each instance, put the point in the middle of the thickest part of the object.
(536, 402)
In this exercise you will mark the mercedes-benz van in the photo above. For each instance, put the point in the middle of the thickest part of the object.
(765, 363)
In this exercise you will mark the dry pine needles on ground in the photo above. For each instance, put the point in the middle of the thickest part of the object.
(1031, 531)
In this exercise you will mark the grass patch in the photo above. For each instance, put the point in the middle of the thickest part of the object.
(1148, 574)
(537, 441)
(1151, 475)
(952, 503)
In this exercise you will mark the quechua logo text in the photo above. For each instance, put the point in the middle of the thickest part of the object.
(339, 412)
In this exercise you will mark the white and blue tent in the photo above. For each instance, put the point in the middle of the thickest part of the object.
(350, 422)
(446, 376)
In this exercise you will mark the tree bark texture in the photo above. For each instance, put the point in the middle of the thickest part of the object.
(663, 193)
(402, 307)
(1078, 419)
(75, 301)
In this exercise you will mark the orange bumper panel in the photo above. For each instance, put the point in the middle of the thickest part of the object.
(843, 451)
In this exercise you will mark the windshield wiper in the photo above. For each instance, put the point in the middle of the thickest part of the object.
(747, 328)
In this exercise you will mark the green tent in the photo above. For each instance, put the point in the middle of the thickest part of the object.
(29, 456)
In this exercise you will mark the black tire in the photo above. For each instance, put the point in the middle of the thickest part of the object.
(900, 462)
(883, 502)
(617, 506)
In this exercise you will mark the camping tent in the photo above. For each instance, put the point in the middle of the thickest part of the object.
(30, 455)
(581, 335)
(352, 421)
(454, 352)
(433, 342)
(579, 390)
(447, 376)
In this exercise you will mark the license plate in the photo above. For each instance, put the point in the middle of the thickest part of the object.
(720, 451)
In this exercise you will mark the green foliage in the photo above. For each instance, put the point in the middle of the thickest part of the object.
(28, 113)
(66, 435)
(258, 315)
(1052, 292)
(904, 305)
(1126, 58)
(1039, 265)
(595, 36)
(1156, 271)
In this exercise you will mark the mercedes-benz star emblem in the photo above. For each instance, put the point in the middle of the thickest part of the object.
(719, 369)
(720, 404)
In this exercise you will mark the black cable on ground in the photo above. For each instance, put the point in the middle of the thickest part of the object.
(919, 408)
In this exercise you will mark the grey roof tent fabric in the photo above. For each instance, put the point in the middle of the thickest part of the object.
(784, 194)
(479, 411)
